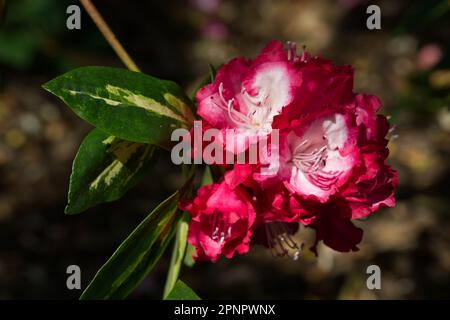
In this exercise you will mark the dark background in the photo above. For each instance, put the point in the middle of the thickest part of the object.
(406, 64)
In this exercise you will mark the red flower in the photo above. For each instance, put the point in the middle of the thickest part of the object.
(332, 152)
(333, 226)
(221, 221)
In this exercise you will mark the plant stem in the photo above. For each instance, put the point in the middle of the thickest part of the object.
(109, 35)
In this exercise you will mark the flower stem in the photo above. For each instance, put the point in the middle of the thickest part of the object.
(109, 35)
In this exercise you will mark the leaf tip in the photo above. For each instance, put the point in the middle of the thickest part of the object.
(48, 86)
(70, 210)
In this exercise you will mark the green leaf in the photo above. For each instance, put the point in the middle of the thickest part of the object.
(17, 48)
(105, 168)
(179, 249)
(182, 292)
(207, 177)
(126, 104)
(139, 253)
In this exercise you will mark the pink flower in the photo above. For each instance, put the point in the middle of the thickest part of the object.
(333, 172)
(318, 133)
(332, 153)
(221, 222)
(429, 56)
(247, 95)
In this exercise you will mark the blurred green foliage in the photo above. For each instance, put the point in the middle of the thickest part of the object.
(28, 30)
(423, 15)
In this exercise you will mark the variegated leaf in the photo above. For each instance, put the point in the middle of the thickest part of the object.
(105, 168)
(126, 104)
(182, 291)
(140, 252)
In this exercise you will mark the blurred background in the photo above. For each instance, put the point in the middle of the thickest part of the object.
(406, 64)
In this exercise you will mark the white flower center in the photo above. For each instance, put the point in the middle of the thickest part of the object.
(316, 154)
(259, 114)
(312, 161)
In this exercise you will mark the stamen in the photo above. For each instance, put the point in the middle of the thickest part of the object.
(292, 52)
(255, 101)
(391, 135)
(257, 116)
(303, 56)
(299, 146)
(220, 229)
(221, 93)
(237, 117)
(280, 242)
(309, 162)
(214, 227)
(312, 164)
(276, 250)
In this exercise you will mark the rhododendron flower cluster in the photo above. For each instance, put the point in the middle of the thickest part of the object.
(332, 152)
